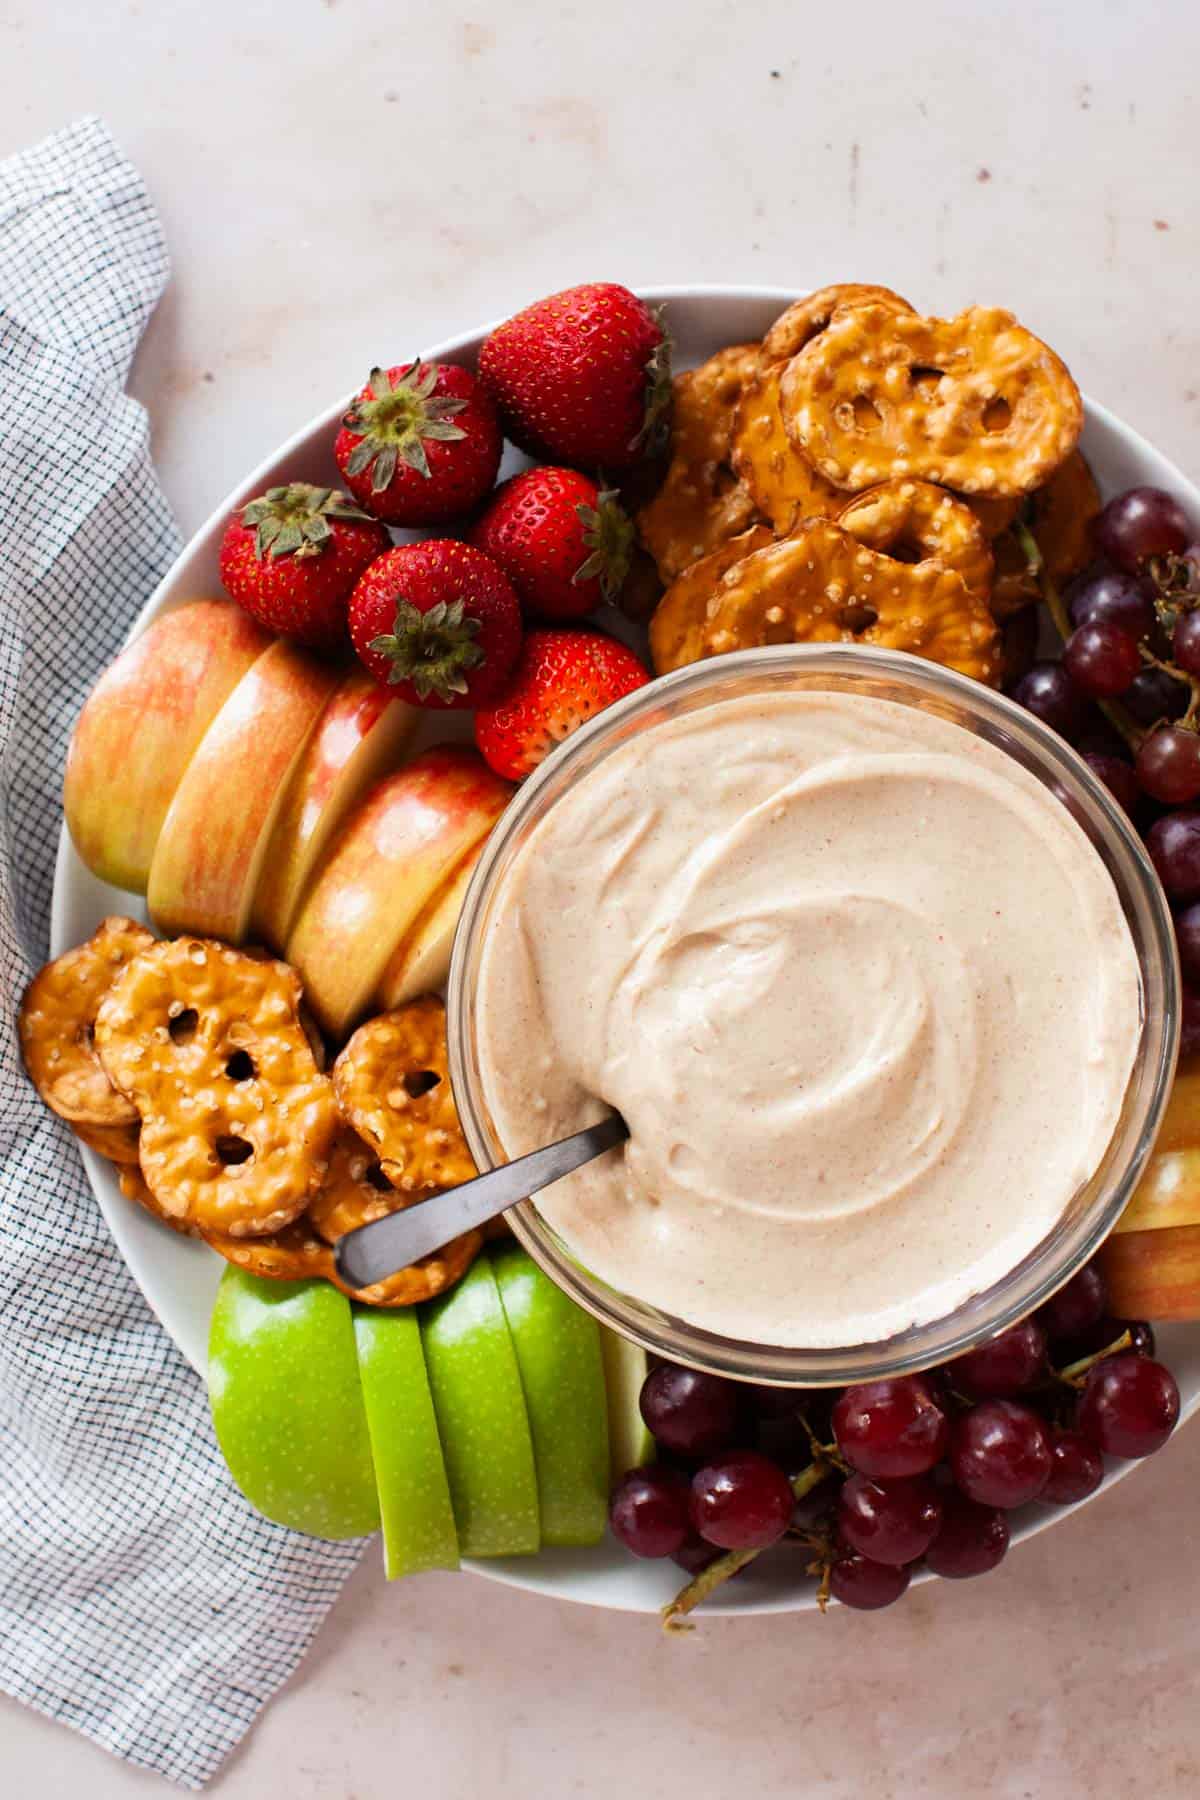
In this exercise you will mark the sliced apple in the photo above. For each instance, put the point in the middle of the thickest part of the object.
(287, 1404)
(414, 1497)
(562, 1378)
(481, 1417)
(1154, 1274)
(1169, 1192)
(625, 1369)
(140, 727)
(395, 852)
(422, 963)
(361, 735)
(210, 851)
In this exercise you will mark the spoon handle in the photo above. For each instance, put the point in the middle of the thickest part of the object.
(375, 1251)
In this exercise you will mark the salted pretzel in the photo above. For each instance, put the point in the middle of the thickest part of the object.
(237, 1120)
(918, 522)
(701, 501)
(1059, 517)
(820, 585)
(805, 319)
(697, 589)
(422, 1280)
(133, 1185)
(975, 402)
(777, 475)
(119, 1143)
(293, 1253)
(57, 1021)
(392, 1083)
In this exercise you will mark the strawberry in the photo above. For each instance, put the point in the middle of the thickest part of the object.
(438, 622)
(562, 541)
(291, 557)
(421, 443)
(562, 678)
(582, 377)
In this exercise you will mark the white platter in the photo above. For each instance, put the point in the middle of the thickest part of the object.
(179, 1278)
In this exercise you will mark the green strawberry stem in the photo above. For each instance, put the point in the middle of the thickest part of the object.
(396, 422)
(435, 650)
(294, 520)
(674, 1614)
(608, 535)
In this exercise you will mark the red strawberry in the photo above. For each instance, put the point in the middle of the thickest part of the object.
(438, 622)
(291, 557)
(563, 543)
(582, 377)
(562, 678)
(421, 443)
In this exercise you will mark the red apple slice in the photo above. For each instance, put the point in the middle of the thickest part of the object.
(210, 851)
(422, 963)
(1154, 1274)
(363, 732)
(1169, 1192)
(140, 727)
(411, 832)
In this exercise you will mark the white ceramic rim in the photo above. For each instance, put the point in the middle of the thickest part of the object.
(606, 1577)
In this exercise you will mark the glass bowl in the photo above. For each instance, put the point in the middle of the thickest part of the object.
(1093, 1210)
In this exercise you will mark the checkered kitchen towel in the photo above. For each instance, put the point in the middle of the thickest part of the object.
(141, 1600)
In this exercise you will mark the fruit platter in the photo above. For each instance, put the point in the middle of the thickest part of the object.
(435, 672)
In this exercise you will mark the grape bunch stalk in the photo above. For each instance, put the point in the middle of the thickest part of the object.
(866, 1484)
(1127, 692)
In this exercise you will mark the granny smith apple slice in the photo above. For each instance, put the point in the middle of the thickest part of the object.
(481, 1417)
(287, 1404)
(562, 1375)
(625, 1369)
(414, 1497)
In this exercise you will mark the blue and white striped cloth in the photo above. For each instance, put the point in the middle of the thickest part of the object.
(141, 1600)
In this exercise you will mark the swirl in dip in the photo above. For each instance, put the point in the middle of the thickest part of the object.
(860, 986)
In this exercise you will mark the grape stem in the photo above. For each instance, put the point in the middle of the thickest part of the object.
(1075, 1374)
(674, 1614)
(1115, 713)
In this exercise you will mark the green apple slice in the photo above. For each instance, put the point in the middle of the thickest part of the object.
(481, 1417)
(287, 1404)
(625, 1369)
(414, 1498)
(562, 1376)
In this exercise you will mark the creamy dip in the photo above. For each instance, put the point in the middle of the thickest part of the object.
(860, 986)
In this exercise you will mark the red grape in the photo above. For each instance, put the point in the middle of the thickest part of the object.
(888, 1428)
(1048, 692)
(865, 1585)
(1174, 846)
(1187, 936)
(1143, 522)
(1110, 598)
(741, 1501)
(889, 1521)
(695, 1555)
(689, 1412)
(972, 1539)
(1118, 776)
(1000, 1453)
(1185, 642)
(1129, 1406)
(1004, 1366)
(775, 1402)
(1155, 695)
(1168, 765)
(1101, 659)
(1018, 645)
(648, 1510)
(1076, 1469)
(1076, 1306)
(1189, 1019)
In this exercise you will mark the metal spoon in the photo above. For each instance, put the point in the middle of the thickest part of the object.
(379, 1249)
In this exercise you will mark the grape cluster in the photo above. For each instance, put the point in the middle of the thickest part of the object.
(874, 1479)
(1133, 652)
